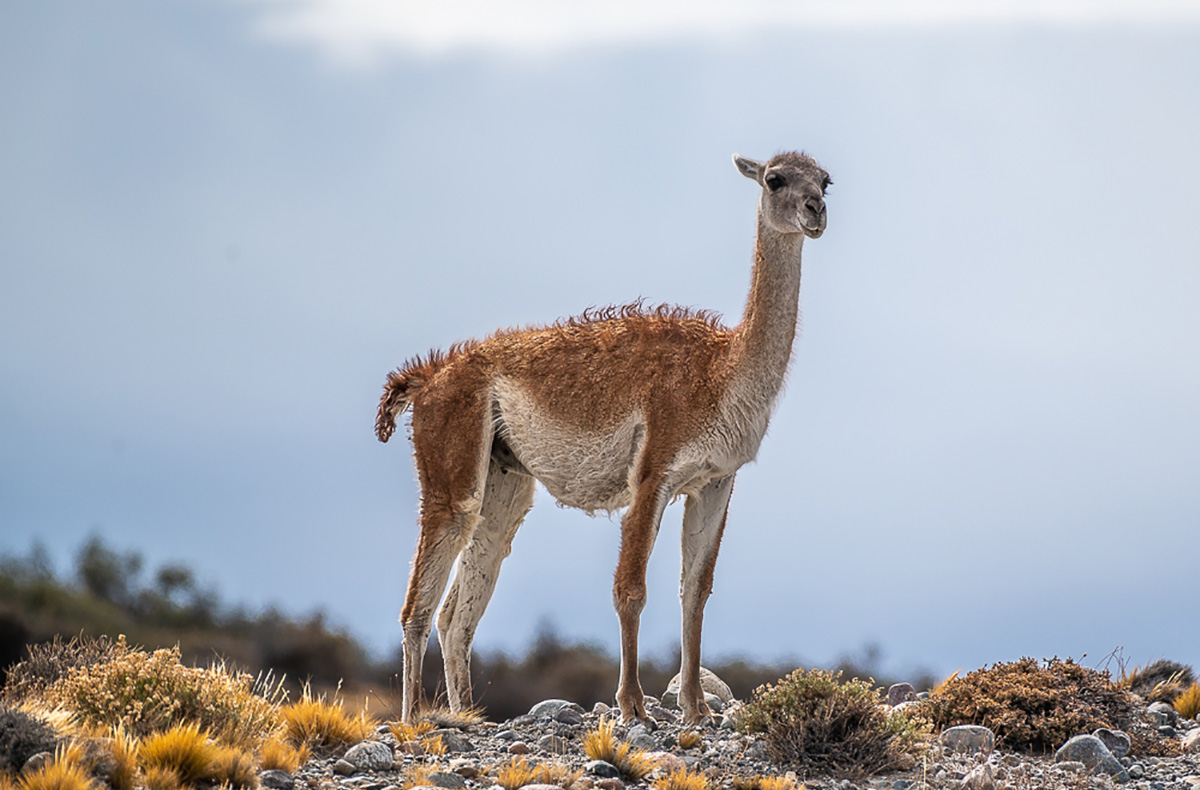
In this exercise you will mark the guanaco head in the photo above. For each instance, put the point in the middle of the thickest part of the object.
(793, 197)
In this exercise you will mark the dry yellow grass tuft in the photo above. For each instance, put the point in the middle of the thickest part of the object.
(185, 750)
(161, 778)
(765, 783)
(124, 749)
(442, 717)
(682, 780)
(323, 725)
(1187, 704)
(66, 772)
(557, 774)
(517, 773)
(233, 767)
(418, 776)
(279, 755)
(600, 743)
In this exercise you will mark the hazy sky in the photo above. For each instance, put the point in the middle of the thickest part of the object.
(221, 224)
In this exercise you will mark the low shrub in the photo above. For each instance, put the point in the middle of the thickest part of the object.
(50, 662)
(816, 721)
(1030, 705)
(146, 693)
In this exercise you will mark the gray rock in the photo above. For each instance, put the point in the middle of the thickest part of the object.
(600, 709)
(554, 744)
(900, 692)
(968, 738)
(448, 780)
(518, 747)
(980, 778)
(1091, 751)
(370, 756)
(37, 762)
(344, 768)
(1167, 731)
(661, 714)
(901, 784)
(550, 707)
(569, 716)
(709, 683)
(1191, 741)
(1117, 741)
(453, 740)
(1163, 713)
(603, 770)
(276, 780)
(1136, 771)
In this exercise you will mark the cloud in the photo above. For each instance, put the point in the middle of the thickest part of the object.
(359, 32)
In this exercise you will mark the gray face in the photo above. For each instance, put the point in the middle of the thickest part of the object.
(793, 199)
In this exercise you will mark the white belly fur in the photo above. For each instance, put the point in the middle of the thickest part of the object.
(593, 470)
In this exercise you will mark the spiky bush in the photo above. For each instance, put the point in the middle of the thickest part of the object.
(816, 721)
(322, 725)
(1032, 705)
(146, 693)
(1160, 681)
(21, 737)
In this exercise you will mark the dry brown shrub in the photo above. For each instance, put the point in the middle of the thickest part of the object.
(1031, 705)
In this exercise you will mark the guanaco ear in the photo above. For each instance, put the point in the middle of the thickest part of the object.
(750, 169)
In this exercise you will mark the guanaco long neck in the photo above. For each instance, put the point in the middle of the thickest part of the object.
(764, 337)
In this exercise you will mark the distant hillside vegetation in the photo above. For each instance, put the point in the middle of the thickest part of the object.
(110, 593)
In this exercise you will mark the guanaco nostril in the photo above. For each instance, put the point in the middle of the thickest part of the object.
(815, 205)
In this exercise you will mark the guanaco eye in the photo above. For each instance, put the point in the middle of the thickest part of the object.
(775, 182)
(827, 183)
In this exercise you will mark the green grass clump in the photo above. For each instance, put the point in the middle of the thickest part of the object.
(816, 721)
(1032, 705)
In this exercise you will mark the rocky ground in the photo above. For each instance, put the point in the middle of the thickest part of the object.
(552, 733)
